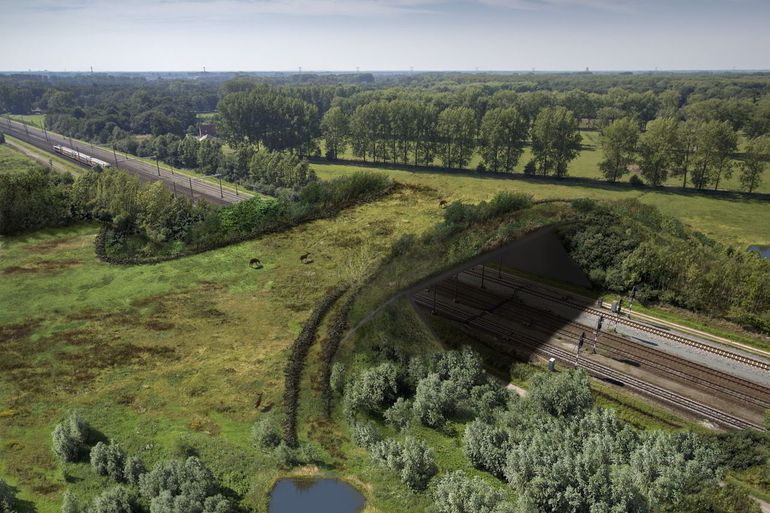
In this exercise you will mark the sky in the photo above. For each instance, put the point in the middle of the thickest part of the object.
(376, 35)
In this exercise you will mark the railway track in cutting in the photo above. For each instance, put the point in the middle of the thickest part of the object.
(509, 281)
(504, 330)
(665, 364)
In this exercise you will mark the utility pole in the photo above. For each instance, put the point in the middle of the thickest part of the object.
(174, 184)
(483, 272)
(457, 281)
(236, 188)
(596, 332)
(192, 195)
(221, 192)
(157, 164)
(115, 154)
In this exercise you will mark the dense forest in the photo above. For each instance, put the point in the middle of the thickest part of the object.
(701, 128)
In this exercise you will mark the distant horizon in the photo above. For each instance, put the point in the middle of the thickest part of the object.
(385, 35)
(390, 71)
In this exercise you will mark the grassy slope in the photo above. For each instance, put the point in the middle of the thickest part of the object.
(733, 222)
(11, 161)
(44, 158)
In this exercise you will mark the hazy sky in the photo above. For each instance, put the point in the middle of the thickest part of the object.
(384, 34)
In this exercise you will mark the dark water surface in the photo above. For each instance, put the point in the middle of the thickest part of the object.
(762, 250)
(309, 495)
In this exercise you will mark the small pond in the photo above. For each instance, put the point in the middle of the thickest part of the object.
(311, 495)
(762, 250)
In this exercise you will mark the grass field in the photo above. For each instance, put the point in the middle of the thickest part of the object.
(735, 222)
(33, 119)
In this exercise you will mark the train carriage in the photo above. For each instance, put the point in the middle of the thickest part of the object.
(80, 157)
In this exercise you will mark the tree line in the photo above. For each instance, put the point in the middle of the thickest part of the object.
(696, 151)
(435, 118)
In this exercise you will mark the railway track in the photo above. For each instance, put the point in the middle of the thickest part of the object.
(502, 330)
(196, 188)
(509, 281)
(666, 364)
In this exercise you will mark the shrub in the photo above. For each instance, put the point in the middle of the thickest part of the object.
(372, 390)
(486, 446)
(188, 477)
(418, 464)
(182, 487)
(435, 399)
(133, 470)
(365, 435)
(265, 433)
(115, 500)
(562, 394)
(400, 415)
(70, 504)
(70, 438)
(504, 203)
(485, 399)
(583, 204)
(412, 460)
(108, 460)
(286, 455)
(457, 493)
(741, 450)
(166, 502)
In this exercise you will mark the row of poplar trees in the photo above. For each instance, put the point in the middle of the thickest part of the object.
(416, 133)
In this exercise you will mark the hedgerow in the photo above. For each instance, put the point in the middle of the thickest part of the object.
(296, 363)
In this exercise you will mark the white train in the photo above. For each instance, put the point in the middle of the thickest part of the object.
(81, 157)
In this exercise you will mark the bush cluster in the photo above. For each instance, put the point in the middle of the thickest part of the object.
(118, 499)
(265, 433)
(109, 460)
(457, 493)
(70, 438)
(182, 487)
(459, 216)
(411, 459)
